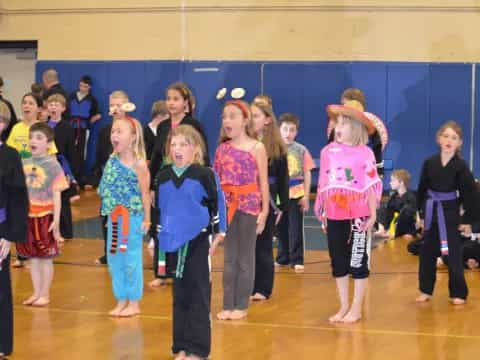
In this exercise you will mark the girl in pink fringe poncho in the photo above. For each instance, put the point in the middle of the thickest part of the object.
(349, 190)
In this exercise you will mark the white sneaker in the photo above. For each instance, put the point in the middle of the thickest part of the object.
(299, 267)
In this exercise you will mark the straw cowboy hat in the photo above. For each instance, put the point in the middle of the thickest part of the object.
(354, 110)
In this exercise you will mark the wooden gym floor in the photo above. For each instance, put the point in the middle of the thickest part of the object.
(292, 325)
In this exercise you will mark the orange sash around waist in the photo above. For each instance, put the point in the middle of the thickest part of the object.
(40, 210)
(235, 191)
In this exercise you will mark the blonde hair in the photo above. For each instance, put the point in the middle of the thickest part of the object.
(5, 115)
(138, 146)
(119, 94)
(57, 98)
(263, 99)
(272, 139)
(159, 108)
(402, 175)
(359, 133)
(451, 124)
(247, 114)
(193, 137)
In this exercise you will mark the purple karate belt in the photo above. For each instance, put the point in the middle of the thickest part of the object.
(437, 198)
(3, 215)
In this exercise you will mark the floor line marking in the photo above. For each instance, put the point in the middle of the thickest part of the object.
(274, 325)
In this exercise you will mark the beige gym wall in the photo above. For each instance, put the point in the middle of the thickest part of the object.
(388, 30)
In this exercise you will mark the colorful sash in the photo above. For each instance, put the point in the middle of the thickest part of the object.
(235, 191)
(119, 211)
(435, 197)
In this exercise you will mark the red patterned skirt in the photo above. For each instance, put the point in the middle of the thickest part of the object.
(40, 242)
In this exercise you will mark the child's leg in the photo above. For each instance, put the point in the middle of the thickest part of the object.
(295, 221)
(342, 290)
(230, 272)
(338, 235)
(457, 285)
(6, 309)
(246, 263)
(116, 267)
(133, 267)
(36, 274)
(66, 224)
(405, 225)
(283, 257)
(80, 155)
(196, 289)
(263, 282)
(359, 268)
(102, 260)
(427, 273)
(46, 269)
(355, 312)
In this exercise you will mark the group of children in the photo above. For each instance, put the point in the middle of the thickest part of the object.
(260, 178)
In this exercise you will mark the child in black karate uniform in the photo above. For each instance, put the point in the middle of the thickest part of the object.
(13, 219)
(445, 183)
(65, 143)
(191, 207)
(398, 217)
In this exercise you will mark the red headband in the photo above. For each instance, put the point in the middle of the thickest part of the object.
(239, 104)
(132, 123)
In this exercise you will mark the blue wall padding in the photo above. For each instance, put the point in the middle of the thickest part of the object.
(206, 78)
(407, 117)
(412, 98)
(450, 99)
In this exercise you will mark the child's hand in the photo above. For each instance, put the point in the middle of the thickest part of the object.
(304, 204)
(278, 217)
(465, 229)
(145, 226)
(5, 246)
(218, 238)
(261, 220)
(152, 198)
(56, 231)
(369, 223)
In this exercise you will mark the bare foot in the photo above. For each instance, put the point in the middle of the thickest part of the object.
(352, 317)
(238, 314)
(116, 311)
(181, 355)
(74, 199)
(41, 301)
(423, 298)
(17, 264)
(458, 301)
(155, 283)
(338, 316)
(131, 310)
(193, 357)
(224, 315)
(258, 297)
(61, 240)
(30, 300)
